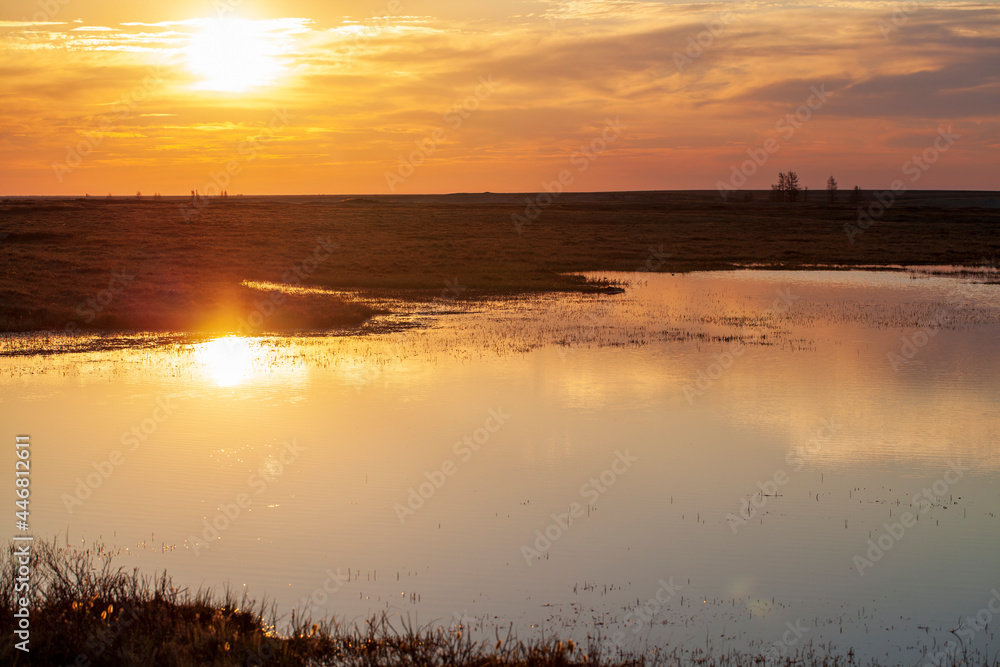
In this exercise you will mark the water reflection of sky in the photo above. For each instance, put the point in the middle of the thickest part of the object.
(328, 435)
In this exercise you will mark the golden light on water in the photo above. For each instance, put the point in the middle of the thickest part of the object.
(227, 361)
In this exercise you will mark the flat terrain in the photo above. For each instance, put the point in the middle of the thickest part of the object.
(170, 265)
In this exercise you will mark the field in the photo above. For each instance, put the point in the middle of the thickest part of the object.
(170, 264)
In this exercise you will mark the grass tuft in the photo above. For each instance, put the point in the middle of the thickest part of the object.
(87, 611)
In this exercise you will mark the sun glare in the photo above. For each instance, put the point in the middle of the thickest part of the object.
(228, 361)
(234, 55)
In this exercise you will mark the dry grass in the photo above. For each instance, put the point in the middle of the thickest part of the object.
(86, 611)
(59, 254)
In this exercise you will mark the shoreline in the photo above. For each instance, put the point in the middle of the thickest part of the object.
(139, 265)
(86, 610)
(373, 303)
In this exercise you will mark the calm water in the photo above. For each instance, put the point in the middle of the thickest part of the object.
(701, 459)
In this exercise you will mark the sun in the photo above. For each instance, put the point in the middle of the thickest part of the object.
(233, 55)
(227, 361)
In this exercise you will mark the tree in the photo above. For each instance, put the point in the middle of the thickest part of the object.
(856, 195)
(792, 186)
(787, 188)
(831, 188)
(778, 190)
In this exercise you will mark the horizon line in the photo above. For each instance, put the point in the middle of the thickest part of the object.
(467, 192)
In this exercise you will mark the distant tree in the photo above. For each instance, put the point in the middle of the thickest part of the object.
(787, 188)
(138, 195)
(792, 186)
(831, 188)
(778, 190)
(192, 195)
(856, 196)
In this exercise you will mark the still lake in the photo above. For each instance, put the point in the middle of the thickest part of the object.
(744, 459)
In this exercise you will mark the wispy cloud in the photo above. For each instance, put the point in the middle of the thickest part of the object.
(364, 89)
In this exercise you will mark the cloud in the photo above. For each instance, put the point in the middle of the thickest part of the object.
(363, 90)
(27, 24)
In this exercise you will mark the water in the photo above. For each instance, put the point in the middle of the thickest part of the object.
(701, 460)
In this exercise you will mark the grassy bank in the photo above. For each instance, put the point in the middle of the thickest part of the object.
(146, 265)
(88, 611)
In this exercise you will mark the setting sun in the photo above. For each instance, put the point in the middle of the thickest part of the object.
(228, 361)
(233, 55)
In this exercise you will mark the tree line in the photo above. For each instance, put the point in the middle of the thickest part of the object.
(788, 189)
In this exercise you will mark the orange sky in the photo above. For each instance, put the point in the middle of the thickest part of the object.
(304, 96)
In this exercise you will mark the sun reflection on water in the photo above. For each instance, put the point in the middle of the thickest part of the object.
(227, 361)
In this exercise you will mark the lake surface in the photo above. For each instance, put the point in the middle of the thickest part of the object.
(750, 460)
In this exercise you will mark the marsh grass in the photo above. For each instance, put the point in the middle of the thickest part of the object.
(58, 255)
(86, 610)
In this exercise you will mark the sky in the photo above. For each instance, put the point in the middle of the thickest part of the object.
(411, 96)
